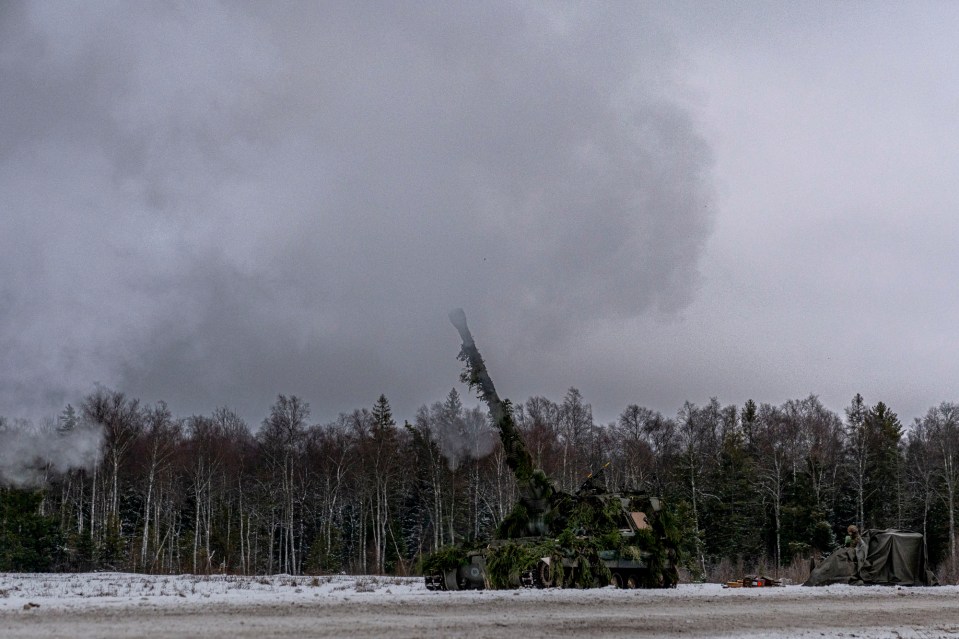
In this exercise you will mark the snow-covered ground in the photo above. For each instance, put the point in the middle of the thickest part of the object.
(113, 588)
(122, 605)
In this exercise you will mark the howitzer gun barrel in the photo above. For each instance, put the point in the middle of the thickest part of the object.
(476, 375)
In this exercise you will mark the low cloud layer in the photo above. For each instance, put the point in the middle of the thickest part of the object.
(212, 204)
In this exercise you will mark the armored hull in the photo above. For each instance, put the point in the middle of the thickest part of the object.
(637, 556)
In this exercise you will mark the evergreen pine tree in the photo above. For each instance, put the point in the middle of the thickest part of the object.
(884, 431)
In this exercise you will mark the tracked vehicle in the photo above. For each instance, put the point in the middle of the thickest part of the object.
(552, 538)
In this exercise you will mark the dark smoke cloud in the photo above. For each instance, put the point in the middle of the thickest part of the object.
(210, 204)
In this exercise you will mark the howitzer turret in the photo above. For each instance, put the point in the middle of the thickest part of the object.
(553, 538)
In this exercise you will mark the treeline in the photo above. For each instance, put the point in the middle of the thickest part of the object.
(758, 484)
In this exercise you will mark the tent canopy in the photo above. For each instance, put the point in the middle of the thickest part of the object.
(883, 557)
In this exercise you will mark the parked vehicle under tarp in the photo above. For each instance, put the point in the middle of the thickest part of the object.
(882, 557)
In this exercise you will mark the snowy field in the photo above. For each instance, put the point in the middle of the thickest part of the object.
(128, 605)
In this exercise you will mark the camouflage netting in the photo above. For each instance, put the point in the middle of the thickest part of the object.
(505, 563)
(591, 535)
(882, 557)
(444, 559)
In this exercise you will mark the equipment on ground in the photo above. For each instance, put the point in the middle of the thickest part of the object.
(753, 581)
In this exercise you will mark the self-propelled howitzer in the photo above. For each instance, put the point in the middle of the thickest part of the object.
(553, 538)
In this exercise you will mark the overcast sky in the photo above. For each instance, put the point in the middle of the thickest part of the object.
(214, 203)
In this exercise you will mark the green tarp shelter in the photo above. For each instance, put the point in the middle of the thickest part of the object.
(882, 557)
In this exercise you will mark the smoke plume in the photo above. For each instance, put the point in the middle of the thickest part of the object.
(212, 203)
(30, 454)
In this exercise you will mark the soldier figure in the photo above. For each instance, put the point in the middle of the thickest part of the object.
(852, 536)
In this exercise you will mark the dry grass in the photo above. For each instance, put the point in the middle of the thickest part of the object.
(948, 571)
(725, 570)
(797, 571)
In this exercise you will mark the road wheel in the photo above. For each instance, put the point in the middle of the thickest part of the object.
(545, 575)
(616, 580)
(631, 582)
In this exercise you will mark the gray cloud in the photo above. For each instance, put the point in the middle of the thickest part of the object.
(213, 204)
